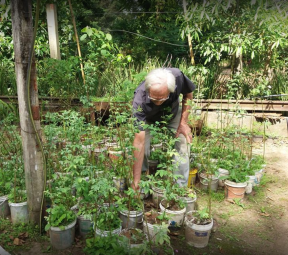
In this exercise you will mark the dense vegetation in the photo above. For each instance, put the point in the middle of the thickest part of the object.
(239, 47)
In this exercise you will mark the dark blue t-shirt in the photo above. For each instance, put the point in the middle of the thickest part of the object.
(145, 110)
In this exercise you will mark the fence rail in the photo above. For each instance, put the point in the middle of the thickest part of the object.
(210, 104)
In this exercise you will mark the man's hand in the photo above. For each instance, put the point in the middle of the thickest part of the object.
(135, 186)
(185, 130)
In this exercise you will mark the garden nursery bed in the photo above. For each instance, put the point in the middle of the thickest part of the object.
(89, 207)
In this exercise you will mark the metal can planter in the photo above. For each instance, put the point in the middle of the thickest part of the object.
(85, 224)
(62, 238)
(131, 219)
(4, 207)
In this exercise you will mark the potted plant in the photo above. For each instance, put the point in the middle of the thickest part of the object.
(156, 226)
(5, 187)
(17, 200)
(173, 206)
(236, 182)
(107, 221)
(135, 237)
(131, 210)
(189, 196)
(61, 226)
(61, 220)
(198, 225)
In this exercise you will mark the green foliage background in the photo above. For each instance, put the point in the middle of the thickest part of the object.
(240, 47)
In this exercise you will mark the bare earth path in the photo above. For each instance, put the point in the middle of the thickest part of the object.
(261, 227)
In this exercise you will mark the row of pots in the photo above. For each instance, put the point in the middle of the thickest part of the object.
(232, 189)
(18, 211)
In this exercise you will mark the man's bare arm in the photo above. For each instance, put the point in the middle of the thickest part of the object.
(183, 126)
(139, 145)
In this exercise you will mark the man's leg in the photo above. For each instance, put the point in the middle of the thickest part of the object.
(145, 164)
(183, 149)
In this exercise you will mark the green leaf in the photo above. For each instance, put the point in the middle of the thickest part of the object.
(83, 37)
(108, 37)
(47, 227)
(104, 53)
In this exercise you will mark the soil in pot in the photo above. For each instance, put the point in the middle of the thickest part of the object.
(173, 211)
(135, 236)
(153, 225)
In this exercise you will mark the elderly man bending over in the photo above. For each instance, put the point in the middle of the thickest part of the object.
(160, 91)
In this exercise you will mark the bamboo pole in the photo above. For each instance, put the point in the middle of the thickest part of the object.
(77, 41)
(189, 35)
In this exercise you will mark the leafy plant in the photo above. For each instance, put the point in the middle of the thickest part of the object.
(17, 196)
(102, 245)
(107, 219)
(202, 216)
(59, 216)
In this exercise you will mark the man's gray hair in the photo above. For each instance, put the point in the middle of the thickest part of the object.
(160, 76)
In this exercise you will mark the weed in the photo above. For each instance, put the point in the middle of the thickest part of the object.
(19, 236)
(218, 196)
(238, 202)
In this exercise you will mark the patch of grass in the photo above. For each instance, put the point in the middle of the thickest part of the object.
(228, 214)
(17, 237)
(218, 196)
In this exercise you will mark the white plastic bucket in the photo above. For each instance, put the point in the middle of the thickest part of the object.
(131, 219)
(250, 184)
(133, 245)
(190, 203)
(104, 233)
(19, 212)
(222, 172)
(204, 181)
(176, 217)
(157, 195)
(152, 230)
(197, 235)
(4, 207)
(258, 176)
(62, 239)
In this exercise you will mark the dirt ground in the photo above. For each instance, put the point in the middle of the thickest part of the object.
(256, 226)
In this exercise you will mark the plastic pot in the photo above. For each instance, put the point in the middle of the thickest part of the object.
(197, 235)
(19, 212)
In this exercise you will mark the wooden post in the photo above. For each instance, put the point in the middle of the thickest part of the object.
(189, 36)
(52, 24)
(22, 29)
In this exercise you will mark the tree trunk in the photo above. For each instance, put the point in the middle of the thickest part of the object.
(22, 28)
